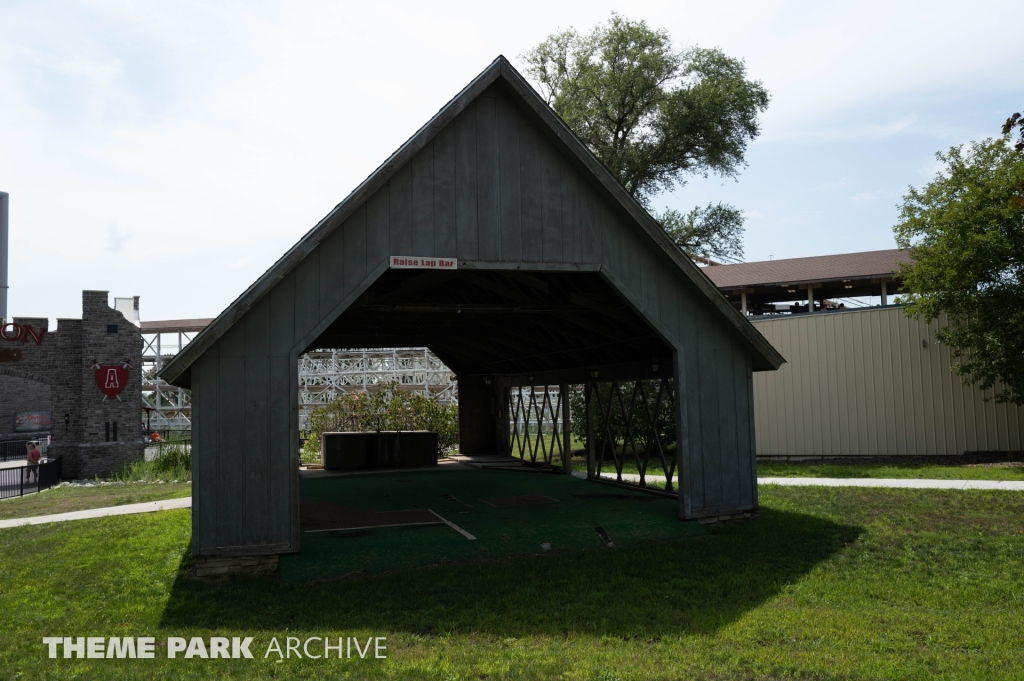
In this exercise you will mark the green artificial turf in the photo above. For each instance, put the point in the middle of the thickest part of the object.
(457, 496)
(828, 583)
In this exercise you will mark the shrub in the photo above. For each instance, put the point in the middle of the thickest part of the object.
(390, 407)
(174, 462)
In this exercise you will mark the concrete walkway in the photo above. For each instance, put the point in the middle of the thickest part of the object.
(126, 509)
(186, 502)
(905, 483)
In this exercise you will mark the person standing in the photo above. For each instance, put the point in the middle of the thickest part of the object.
(33, 457)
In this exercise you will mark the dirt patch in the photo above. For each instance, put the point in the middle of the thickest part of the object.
(316, 516)
(524, 500)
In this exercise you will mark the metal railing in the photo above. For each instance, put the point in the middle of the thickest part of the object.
(21, 480)
(12, 450)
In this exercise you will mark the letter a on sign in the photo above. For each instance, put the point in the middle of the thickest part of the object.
(111, 379)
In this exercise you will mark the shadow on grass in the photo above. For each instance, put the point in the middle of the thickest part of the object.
(643, 591)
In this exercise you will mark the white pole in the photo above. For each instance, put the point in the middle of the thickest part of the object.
(885, 295)
(810, 298)
(743, 302)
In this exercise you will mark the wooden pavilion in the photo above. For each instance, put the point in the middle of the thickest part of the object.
(532, 266)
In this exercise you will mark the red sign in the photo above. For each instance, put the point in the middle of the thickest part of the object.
(111, 379)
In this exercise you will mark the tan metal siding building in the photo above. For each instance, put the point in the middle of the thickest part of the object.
(871, 382)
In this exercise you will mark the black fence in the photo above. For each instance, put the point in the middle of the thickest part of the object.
(12, 450)
(21, 480)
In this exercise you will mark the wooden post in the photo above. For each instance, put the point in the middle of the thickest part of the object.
(682, 434)
(743, 302)
(591, 462)
(885, 295)
(810, 298)
(503, 419)
(563, 390)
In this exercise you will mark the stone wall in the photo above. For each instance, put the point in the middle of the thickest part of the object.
(96, 436)
(18, 395)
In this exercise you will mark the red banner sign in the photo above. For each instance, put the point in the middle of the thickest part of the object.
(111, 379)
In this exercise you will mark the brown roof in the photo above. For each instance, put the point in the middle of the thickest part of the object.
(807, 270)
(172, 325)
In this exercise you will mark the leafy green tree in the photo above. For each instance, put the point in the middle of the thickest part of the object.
(650, 113)
(1015, 121)
(965, 230)
(703, 233)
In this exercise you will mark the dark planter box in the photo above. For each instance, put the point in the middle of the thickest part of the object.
(384, 449)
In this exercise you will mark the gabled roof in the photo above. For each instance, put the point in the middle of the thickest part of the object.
(821, 268)
(500, 70)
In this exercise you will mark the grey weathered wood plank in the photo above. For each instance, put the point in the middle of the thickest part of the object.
(711, 454)
(423, 202)
(400, 215)
(256, 436)
(279, 447)
(590, 230)
(745, 464)
(206, 450)
(688, 340)
(728, 423)
(509, 191)
(307, 294)
(488, 196)
(572, 250)
(378, 229)
(552, 189)
(332, 268)
(445, 235)
(531, 183)
(231, 530)
(466, 219)
(354, 250)
(647, 280)
(282, 311)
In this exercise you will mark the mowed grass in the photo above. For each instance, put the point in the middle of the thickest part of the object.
(74, 498)
(1001, 471)
(828, 583)
(995, 471)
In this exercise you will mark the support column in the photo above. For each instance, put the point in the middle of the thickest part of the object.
(591, 460)
(682, 435)
(885, 295)
(563, 390)
(476, 418)
(503, 418)
(810, 298)
(743, 302)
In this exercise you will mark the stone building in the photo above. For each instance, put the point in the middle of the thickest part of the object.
(86, 375)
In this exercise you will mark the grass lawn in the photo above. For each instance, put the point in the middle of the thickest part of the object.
(64, 499)
(1005, 471)
(1002, 471)
(828, 583)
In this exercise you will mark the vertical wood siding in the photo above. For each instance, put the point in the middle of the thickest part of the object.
(490, 187)
(861, 383)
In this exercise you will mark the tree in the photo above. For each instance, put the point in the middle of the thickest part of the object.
(703, 233)
(651, 114)
(965, 230)
(1015, 121)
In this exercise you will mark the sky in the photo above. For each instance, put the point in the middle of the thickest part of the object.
(175, 150)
